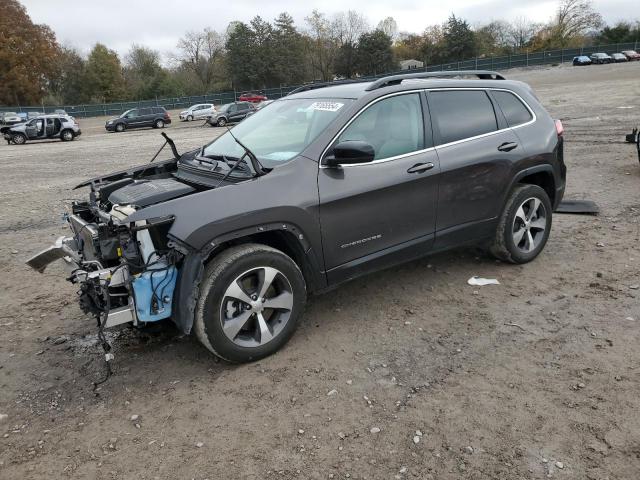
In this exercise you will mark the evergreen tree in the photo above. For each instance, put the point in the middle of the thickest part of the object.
(459, 39)
(374, 53)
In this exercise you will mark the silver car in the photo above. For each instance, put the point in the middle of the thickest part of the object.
(201, 110)
(10, 118)
(43, 127)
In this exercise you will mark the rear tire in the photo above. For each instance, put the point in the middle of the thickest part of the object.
(19, 138)
(233, 318)
(524, 226)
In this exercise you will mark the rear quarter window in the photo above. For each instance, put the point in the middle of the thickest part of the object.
(462, 114)
(515, 112)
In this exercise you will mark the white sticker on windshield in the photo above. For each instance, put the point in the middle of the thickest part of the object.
(326, 106)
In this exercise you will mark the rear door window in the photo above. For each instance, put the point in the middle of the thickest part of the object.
(461, 114)
(514, 110)
(393, 126)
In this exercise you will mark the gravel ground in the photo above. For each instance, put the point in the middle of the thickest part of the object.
(408, 373)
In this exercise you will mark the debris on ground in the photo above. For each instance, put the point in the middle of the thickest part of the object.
(481, 282)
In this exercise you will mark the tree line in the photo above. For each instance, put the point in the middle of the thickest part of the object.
(36, 69)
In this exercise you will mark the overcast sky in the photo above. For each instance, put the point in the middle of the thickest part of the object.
(160, 23)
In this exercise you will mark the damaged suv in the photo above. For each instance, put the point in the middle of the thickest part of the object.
(329, 183)
(42, 127)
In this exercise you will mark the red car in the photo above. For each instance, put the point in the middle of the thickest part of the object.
(631, 55)
(252, 97)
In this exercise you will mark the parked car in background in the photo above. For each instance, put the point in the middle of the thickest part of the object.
(231, 113)
(59, 111)
(156, 117)
(631, 55)
(252, 97)
(43, 127)
(581, 60)
(10, 118)
(31, 115)
(601, 58)
(619, 57)
(201, 110)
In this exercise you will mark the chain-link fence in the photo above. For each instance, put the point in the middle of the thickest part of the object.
(548, 57)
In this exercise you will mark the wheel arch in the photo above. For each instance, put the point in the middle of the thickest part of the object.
(284, 237)
(542, 176)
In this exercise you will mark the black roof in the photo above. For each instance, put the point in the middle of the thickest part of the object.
(354, 89)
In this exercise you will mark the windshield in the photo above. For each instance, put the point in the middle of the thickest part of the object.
(125, 113)
(279, 131)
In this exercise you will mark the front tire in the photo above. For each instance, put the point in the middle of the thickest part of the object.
(120, 127)
(189, 118)
(525, 225)
(252, 299)
(19, 138)
(222, 122)
(67, 136)
(158, 124)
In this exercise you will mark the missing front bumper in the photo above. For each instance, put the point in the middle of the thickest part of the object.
(64, 248)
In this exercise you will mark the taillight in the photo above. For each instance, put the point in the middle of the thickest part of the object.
(559, 128)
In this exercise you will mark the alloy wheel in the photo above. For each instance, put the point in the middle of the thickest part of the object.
(256, 307)
(529, 225)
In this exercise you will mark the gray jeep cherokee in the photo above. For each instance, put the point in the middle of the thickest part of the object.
(327, 184)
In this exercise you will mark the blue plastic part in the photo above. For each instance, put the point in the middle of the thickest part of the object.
(153, 293)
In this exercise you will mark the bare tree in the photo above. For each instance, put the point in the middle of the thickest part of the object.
(201, 52)
(522, 31)
(348, 26)
(390, 27)
(574, 18)
(321, 45)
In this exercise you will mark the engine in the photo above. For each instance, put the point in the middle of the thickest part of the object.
(126, 272)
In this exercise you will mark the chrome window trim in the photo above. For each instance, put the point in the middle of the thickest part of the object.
(488, 134)
(444, 145)
(382, 160)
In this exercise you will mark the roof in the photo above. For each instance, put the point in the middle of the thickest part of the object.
(358, 88)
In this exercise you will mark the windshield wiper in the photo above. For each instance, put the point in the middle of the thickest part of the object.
(255, 163)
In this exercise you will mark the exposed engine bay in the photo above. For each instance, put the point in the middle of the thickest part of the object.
(127, 271)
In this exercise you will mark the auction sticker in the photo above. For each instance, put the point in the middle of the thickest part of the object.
(326, 106)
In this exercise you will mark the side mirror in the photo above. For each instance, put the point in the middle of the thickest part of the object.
(350, 152)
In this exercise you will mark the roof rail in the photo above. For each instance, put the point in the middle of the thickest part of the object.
(397, 79)
(313, 86)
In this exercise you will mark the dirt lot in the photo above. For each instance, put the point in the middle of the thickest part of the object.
(537, 377)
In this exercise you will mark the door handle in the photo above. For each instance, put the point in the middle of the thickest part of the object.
(421, 167)
(507, 146)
